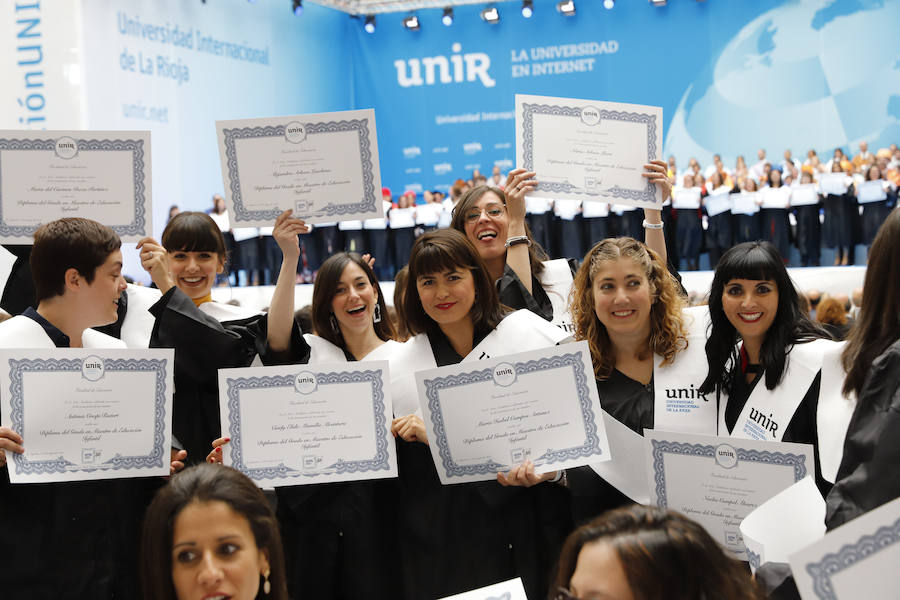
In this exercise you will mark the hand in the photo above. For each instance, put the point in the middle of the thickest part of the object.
(215, 455)
(410, 428)
(369, 260)
(524, 476)
(155, 260)
(178, 457)
(285, 233)
(658, 173)
(518, 183)
(10, 441)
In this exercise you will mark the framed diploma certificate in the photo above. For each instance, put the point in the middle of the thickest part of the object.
(298, 424)
(323, 166)
(497, 413)
(858, 559)
(589, 150)
(99, 175)
(88, 413)
(718, 481)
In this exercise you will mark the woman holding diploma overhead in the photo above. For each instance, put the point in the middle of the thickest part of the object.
(764, 354)
(494, 222)
(464, 536)
(208, 336)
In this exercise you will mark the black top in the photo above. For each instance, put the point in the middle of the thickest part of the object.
(459, 537)
(75, 539)
(203, 345)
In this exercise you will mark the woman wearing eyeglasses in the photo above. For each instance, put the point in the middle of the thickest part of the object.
(494, 221)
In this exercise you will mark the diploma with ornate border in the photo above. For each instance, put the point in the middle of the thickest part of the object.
(87, 413)
(497, 413)
(589, 150)
(99, 175)
(293, 425)
(717, 481)
(322, 166)
(857, 560)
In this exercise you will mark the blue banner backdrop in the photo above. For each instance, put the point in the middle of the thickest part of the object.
(731, 76)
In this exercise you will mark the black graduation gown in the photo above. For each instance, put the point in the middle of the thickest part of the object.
(631, 403)
(514, 295)
(869, 475)
(18, 293)
(464, 536)
(809, 234)
(203, 345)
(340, 541)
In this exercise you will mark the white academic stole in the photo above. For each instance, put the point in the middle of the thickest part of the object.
(834, 412)
(767, 413)
(520, 331)
(678, 404)
(556, 279)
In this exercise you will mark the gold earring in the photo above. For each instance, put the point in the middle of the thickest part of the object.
(267, 587)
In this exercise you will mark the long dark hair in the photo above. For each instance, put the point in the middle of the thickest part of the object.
(878, 323)
(436, 252)
(536, 254)
(663, 554)
(755, 261)
(207, 483)
(326, 283)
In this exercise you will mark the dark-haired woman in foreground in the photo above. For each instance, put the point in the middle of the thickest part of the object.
(776, 369)
(648, 553)
(459, 537)
(211, 533)
(869, 474)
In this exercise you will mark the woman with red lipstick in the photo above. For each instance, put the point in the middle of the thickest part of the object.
(208, 336)
(764, 353)
(460, 537)
(494, 221)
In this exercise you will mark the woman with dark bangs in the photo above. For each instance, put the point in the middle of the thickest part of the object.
(647, 553)
(494, 222)
(459, 537)
(337, 541)
(208, 336)
(764, 353)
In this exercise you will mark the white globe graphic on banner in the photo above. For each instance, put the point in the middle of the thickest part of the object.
(809, 74)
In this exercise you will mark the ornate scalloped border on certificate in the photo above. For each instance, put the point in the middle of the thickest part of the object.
(786, 459)
(157, 458)
(360, 126)
(379, 462)
(588, 447)
(850, 554)
(529, 110)
(137, 227)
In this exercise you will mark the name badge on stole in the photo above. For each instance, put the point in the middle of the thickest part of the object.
(678, 404)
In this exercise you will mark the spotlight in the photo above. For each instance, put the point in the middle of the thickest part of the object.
(370, 24)
(527, 8)
(658, 2)
(491, 15)
(411, 22)
(447, 19)
(297, 7)
(608, 4)
(566, 7)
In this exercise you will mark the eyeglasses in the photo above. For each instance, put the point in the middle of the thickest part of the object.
(564, 594)
(491, 210)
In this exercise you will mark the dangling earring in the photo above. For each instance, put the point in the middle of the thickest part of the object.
(334, 323)
(267, 587)
(376, 315)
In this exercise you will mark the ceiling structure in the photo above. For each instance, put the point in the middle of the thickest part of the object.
(373, 7)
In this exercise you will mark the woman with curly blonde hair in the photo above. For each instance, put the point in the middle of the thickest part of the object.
(646, 348)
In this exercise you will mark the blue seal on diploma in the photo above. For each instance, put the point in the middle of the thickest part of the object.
(305, 383)
(92, 368)
(504, 374)
(295, 132)
(65, 148)
(726, 456)
(590, 115)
